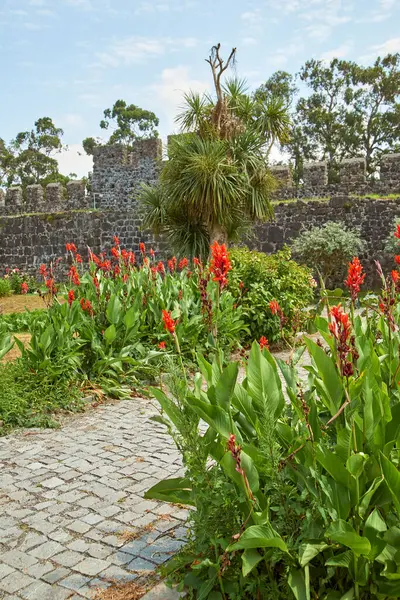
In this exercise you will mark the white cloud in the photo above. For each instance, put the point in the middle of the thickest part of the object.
(33, 26)
(18, 12)
(137, 49)
(37, 2)
(75, 160)
(251, 16)
(339, 52)
(389, 47)
(169, 90)
(46, 12)
(282, 55)
(151, 8)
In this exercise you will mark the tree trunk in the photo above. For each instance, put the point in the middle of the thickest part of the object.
(218, 234)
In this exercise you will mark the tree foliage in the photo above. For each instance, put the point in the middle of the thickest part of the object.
(216, 181)
(350, 110)
(30, 156)
(128, 123)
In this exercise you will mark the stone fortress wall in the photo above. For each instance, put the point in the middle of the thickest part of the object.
(36, 224)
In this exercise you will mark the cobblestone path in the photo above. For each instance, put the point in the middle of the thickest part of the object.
(72, 514)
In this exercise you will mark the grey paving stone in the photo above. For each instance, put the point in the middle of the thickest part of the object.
(67, 558)
(140, 564)
(79, 526)
(56, 575)
(74, 582)
(115, 573)
(37, 571)
(91, 566)
(92, 519)
(99, 550)
(18, 559)
(14, 582)
(43, 591)
(53, 482)
(5, 570)
(47, 550)
(162, 592)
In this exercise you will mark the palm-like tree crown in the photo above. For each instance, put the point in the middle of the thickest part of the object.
(216, 180)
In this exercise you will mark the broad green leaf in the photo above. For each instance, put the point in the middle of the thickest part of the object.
(110, 334)
(215, 416)
(309, 551)
(131, 317)
(392, 537)
(342, 532)
(229, 465)
(335, 467)
(344, 560)
(350, 595)
(392, 479)
(263, 382)
(297, 584)
(113, 311)
(250, 558)
(177, 490)
(167, 406)
(259, 536)
(355, 464)
(389, 588)
(226, 385)
(366, 498)
(327, 372)
(373, 529)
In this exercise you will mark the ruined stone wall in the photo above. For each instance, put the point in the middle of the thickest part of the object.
(352, 179)
(36, 223)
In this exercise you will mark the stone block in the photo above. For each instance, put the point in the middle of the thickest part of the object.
(283, 175)
(352, 172)
(14, 198)
(34, 195)
(315, 174)
(390, 169)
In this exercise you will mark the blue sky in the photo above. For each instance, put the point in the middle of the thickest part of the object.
(71, 59)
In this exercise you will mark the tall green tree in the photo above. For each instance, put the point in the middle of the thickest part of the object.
(30, 156)
(280, 85)
(216, 180)
(128, 123)
(375, 107)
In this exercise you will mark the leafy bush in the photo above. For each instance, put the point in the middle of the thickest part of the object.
(328, 249)
(111, 325)
(29, 399)
(5, 288)
(308, 471)
(21, 322)
(16, 277)
(257, 279)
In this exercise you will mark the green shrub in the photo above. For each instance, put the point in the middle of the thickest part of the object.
(30, 399)
(306, 468)
(328, 249)
(5, 288)
(21, 322)
(16, 277)
(257, 278)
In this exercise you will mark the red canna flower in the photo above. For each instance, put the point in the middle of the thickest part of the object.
(274, 306)
(395, 276)
(70, 247)
(96, 282)
(264, 343)
(43, 270)
(241, 285)
(24, 288)
(162, 345)
(117, 270)
(197, 262)
(220, 264)
(142, 248)
(397, 232)
(86, 306)
(160, 267)
(152, 253)
(78, 258)
(183, 264)
(169, 323)
(71, 297)
(74, 275)
(340, 328)
(116, 241)
(397, 259)
(355, 278)
(172, 264)
(115, 252)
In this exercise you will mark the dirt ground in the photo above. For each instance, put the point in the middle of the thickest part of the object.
(15, 351)
(19, 303)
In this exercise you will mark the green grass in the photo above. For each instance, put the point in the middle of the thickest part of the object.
(376, 196)
(30, 399)
(323, 200)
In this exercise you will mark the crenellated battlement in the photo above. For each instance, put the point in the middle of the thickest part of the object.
(352, 179)
(37, 199)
